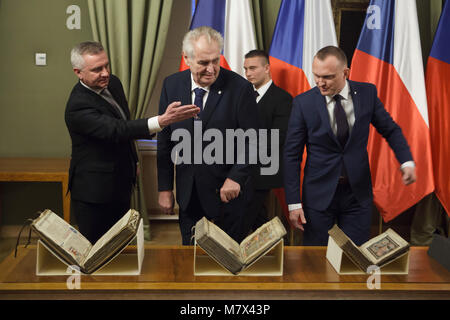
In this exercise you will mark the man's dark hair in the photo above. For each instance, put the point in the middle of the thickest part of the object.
(258, 53)
(325, 52)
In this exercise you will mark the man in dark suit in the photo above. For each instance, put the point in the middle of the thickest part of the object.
(216, 188)
(274, 108)
(103, 165)
(332, 120)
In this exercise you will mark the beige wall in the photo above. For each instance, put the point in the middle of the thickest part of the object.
(33, 98)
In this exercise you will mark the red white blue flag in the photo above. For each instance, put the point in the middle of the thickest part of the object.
(302, 28)
(234, 20)
(438, 91)
(389, 55)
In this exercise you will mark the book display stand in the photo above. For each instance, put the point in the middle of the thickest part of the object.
(268, 264)
(123, 263)
(343, 265)
(440, 250)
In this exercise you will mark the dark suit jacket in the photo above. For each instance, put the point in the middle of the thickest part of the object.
(103, 164)
(309, 125)
(230, 105)
(274, 109)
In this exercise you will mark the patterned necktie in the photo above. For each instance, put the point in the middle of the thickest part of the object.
(108, 97)
(199, 93)
(341, 121)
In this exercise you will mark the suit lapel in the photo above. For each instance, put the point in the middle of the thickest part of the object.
(122, 104)
(102, 101)
(321, 102)
(186, 93)
(214, 96)
(186, 98)
(356, 98)
(266, 95)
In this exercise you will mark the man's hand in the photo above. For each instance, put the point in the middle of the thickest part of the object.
(297, 218)
(176, 112)
(229, 191)
(408, 175)
(166, 201)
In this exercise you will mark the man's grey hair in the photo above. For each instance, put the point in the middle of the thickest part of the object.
(192, 36)
(87, 47)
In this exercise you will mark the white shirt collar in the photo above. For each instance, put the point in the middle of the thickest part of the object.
(194, 85)
(263, 89)
(98, 91)
(344, 93)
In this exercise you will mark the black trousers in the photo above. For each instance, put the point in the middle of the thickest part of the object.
(345, 211)
(188, 218)
(229, 218)
(95, 219)
(256, 214)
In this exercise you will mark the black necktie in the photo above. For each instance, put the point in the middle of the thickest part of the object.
(199, 93)
(341, 121)
(256, 94)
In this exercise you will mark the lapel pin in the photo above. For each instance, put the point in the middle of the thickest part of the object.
(220, 92)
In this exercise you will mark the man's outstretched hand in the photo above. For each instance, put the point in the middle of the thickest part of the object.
(176, 112)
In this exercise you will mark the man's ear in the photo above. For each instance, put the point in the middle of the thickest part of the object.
(346, 72)
(77, 72)
(186, 59)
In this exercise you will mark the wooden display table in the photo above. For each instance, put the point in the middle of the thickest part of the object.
(167, 273)
(39, 170)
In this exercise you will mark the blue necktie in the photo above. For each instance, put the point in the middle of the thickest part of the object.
(341, 121)
(199, 93)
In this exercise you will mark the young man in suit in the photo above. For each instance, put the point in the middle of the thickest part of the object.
(103, 165)
(332, 120)
(218, 190)
(274, 108)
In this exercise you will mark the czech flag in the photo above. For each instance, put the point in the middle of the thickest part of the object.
(389, 55)
(302, 28)
(234, 20)
(438, 89)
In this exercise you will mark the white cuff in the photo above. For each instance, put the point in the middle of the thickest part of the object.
(153, 124)
(408, 164)
(294, 206)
